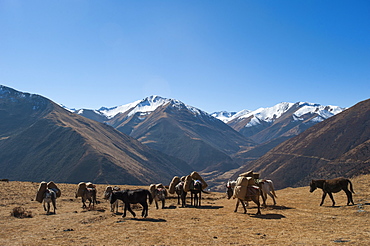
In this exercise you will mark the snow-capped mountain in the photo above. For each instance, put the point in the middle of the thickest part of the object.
(223, 115)
(177, 129)
(164, 123)
(273, 113)
(287, 115)
(141, 107)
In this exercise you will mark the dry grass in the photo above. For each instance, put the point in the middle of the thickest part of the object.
(297, 220)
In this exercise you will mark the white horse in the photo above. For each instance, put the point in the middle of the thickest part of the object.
(50, 196)
(266, 186)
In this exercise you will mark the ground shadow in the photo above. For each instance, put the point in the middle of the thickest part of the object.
(149, 219)
(268, 216)
(208, 207)
(272, 207)
(141, 219)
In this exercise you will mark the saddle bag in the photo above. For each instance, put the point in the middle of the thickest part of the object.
(41, 190)
(80, 189)
(196, 176)
(54, 187)
(240, 192)
(245, 181)
(173, 184)
(188, 182)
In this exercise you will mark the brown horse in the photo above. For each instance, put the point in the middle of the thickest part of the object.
(253, 194)
(333, 186)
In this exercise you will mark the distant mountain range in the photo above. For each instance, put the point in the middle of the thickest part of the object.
(153, 139)
(215, 147)
(177, 129)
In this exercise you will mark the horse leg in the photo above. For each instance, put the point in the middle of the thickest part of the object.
(54, 204)
(349, 197)
(178, 199)
(127, 205)
(83, 202)
(183, 199)
(256, 200)
(163, 203)
(125, 210)
(156, 203)
(200, 199)
(43, 204)
(264, 198)
(94, 200)
(273, 198)
(191, 198)
(144, 214)
(323, 198)
(116, 206)
(237, 205)
(245, 209)
(332, 198)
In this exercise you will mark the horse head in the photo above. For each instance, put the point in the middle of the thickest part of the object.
(313, 186)
(229, 190)
(112, 197)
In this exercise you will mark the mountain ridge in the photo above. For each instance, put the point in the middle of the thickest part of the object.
(51, 143)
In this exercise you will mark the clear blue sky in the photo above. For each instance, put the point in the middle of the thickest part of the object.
(214, 55)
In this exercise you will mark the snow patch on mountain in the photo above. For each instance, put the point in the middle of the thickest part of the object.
(111, 112)
(223, 115)
(272, 113)
(324, 111)
(144, 107)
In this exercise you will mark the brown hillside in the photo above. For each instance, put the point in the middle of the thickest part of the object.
(296, 220)
(52, 143)
(338, 146)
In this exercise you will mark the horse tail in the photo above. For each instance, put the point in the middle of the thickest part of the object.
(272, 188)
(350, 186)
(150, 196)
(205, 191)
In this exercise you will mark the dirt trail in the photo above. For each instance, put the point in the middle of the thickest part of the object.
(296, 220)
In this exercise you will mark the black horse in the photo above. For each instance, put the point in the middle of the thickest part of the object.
(333, 186)
(132, 197)
(196, 191)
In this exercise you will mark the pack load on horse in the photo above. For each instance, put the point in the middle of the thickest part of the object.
(193, 183)
(266, 186)
(175, 181)
(87, 191)
(48, 193)
(177, 184)
(196, 185)
(246, 190)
